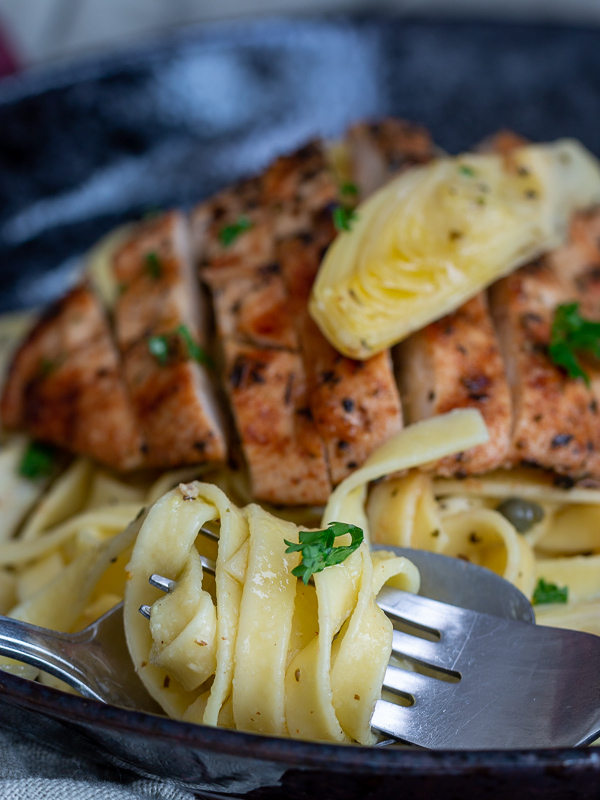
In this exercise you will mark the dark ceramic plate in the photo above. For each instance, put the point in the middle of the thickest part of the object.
(85, 147)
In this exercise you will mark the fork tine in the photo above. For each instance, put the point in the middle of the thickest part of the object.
(434, 654)
(164, 584)
(167, 585)
(404, 682)
(415, 609)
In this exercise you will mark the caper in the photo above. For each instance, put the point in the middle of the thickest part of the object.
(523, 514)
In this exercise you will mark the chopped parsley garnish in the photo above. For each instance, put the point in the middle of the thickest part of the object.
(571, 333)
(230, 233)
(546, 592)
(318, 550)
(162, 346)
(194, 350)
(153, 265)
(466, 170)
(349, 189)
(343, 217)
(38, 461)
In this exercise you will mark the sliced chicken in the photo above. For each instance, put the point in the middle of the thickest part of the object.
(578, 262)
(236, 235)
(66, 386)
(282, 447)
(252, 305)
(554, 416)
(241, 225)
(161, 331)
(456, 363)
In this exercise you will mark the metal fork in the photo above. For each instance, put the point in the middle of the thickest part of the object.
(492, 680)
(478, 681)
(512, 684)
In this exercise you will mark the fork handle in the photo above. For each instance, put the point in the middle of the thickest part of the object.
(50, 651)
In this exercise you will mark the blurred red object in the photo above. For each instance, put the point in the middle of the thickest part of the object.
(8, 62)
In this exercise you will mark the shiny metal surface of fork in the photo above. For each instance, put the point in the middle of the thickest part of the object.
(515, 685)
(94, 661)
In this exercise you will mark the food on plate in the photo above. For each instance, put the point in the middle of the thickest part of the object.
(476, 437)
(67, 386)
(436, 235)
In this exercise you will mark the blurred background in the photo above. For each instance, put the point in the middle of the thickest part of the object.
(35, 32)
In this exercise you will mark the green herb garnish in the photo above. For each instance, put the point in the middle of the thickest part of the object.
(160, 346)
(194, 350)
(343, 217)
(545, 592)
(153, 265)
(318, 551)
(38, 461)
(349, 189)
(230, 233)
(571, 333)
(464, 169)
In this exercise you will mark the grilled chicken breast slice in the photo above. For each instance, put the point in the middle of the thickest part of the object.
(578, 262)
(284, 452)
(456, 363)
(66, 387)
(554, 416)
(252, 305)
(253, 319)
(160, 307)
(241, 225)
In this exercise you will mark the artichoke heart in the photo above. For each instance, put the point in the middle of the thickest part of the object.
(435, 236)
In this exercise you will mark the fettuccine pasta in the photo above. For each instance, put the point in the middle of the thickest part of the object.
(461, 518)
(254, 650)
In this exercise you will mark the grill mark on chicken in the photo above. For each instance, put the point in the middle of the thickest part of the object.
(174, 401)
(65, 385)
(456, 363)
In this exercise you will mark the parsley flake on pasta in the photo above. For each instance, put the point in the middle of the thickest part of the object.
(318, 550)
(546, 592)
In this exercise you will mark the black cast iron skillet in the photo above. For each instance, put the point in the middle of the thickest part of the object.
(86, 146)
